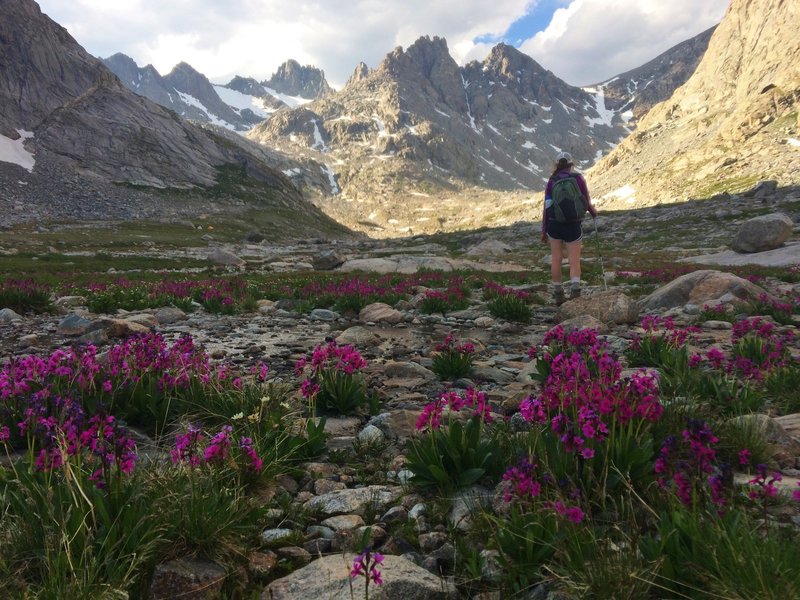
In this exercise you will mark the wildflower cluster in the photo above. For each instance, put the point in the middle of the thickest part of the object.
(192, 449)
(452, 451)
(62, 405)
(473, 400)
(689, 466)
(333, 380)
(58, 430)
(760, 362)
(717, 312)
(583, 398)
(763, 484)
(444, 301)
(659, 276)
(508, 303)
(23, 295)
(779, 310)
(758, 349)
(661, 343)
(524, 485)
(492, 290)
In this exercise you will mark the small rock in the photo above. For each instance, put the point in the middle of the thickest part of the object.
(274, 536)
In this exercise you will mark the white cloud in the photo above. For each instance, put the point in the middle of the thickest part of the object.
(253, 37)
(590, 41)
(587, 40)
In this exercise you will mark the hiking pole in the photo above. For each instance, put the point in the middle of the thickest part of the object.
(600, 254)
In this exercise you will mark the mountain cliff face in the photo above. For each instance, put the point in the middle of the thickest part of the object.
(85, 129)
(638, 90)
(31, 56)
(734, 122)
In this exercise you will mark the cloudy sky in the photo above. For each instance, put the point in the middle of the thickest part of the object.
(581, 41)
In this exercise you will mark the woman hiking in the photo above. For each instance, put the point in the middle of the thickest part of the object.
(563, 225)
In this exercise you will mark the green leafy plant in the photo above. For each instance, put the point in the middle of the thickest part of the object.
(205, 515)
(781, 386)
(765, 305)
(662, 346)
(511, 308)
(452, 360)
(25, 296)
(443, 302)
(526, 541)
(718, 312)
(454, 455)
(604, 563)
(745, 563)
(72, 530)
(508, 303)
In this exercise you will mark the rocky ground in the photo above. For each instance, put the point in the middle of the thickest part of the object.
(397, 342)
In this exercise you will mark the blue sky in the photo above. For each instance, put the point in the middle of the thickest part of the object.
(536, 19)
(581, 41)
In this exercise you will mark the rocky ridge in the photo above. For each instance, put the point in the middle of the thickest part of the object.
(237, 105)
(420, 125)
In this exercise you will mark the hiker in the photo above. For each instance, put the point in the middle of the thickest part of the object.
(563, 226)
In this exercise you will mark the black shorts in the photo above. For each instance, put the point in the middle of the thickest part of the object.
(566, 232)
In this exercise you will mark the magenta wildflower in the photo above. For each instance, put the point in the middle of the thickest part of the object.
(521, 483)
(431, 416)
(688, 465)
(187, 447)
(366, 564)
(309, 388)
(246, 445)
(764, 487)
(217, 449)
(744, 457)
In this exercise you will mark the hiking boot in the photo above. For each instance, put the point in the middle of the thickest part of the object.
(558, 296)
(575, 292)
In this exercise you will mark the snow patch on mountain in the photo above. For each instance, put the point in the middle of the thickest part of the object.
(13, 151)
(606, 116)
(212, 118)
(239, 101)
(290, 101)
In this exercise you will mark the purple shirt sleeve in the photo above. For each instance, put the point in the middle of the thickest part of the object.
(548, 193)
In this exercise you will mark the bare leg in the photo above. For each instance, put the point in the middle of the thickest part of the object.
(556, 256)
(574, 257)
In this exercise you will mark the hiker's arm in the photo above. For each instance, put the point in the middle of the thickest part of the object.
(548, 195)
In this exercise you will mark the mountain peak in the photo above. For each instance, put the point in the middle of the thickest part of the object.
(184, 68)
(293, 79)
(247, 85)
(120, 58)
(360, 72)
